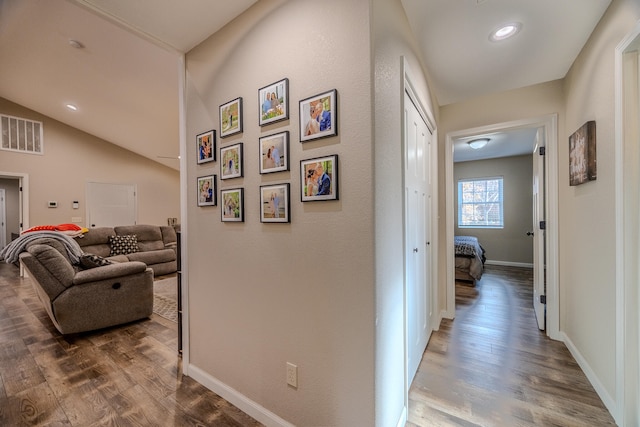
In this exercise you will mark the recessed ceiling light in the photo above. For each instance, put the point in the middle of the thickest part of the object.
(505, 31)
(476, 144)
(72, 107)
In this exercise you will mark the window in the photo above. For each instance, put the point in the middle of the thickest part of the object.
(21, 135)
(480, 203)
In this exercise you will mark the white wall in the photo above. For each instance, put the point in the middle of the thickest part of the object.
(261, 295)
(509, 244)
(72, 158)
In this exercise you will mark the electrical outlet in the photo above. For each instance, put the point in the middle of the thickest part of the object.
(292, 375)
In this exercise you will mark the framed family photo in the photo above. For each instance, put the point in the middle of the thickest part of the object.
(274, 102)
(232, 201)
(231, 118)
(231, 161)
(582, 154)
(319, 116)
(274, 153)
(206, 146)
(207, 190)
(274, 203)
(319, 179)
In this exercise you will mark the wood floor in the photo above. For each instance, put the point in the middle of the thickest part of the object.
(124, 376)
(491, 366)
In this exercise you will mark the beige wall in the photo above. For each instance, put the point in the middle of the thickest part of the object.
(72, 158)
(509, 245)
(587, 215)
(261, 295)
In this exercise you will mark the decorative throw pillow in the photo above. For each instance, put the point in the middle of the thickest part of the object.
(123, 245)
(88, 261)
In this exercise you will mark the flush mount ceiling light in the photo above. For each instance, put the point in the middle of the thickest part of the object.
(72, 107)
(476, 144)
(76, 44)
(505, 31)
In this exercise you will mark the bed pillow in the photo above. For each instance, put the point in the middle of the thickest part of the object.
(88, 261)
(123, 245)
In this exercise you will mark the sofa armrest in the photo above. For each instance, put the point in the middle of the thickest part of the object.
(110, 271)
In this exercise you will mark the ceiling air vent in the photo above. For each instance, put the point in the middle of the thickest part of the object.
(21, 135)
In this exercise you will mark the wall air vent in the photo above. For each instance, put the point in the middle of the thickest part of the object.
(22, 135)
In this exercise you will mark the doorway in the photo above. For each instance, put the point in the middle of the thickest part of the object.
(109, 205)
(548, 126)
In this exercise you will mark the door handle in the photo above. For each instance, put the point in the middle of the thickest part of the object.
(415, 250)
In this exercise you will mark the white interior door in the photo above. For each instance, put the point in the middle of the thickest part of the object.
(417, 216)
(109, 205)
(539, 291)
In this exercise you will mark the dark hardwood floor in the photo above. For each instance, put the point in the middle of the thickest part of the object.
(491, 366)
(123, 376)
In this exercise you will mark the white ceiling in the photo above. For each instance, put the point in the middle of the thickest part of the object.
(125, 80)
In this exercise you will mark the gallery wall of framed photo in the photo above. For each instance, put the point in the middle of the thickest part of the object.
(318, 174)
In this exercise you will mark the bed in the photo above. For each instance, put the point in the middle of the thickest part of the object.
(469, 257)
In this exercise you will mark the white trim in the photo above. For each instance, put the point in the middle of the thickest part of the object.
(619, 407)
(509, 263)
(550, 125)
(184, 214)
(608, 401)
(403, 418)
(246, 405)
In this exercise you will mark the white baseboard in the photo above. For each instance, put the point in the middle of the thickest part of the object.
(403, 418)
(231, 395)
(608, 401)
(509, 263)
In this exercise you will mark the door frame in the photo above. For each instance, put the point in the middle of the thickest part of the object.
(409, 89)
(23, 209)
(549, 123)
(626, 411)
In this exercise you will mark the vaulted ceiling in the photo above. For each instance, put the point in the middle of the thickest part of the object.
(124, 78)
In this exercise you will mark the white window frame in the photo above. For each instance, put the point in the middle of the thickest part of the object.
(499, 203)
(25, 137)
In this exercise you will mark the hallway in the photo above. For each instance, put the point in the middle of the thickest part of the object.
(491, 366)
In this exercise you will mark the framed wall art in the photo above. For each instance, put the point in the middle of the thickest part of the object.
(274, 153)
(207, 190)
(274, 102)
(319, 116)
(206, 146)
(274, 203)
(582, 154)
(319, 179)
(232, 201)
(231, 161)
(231, 118)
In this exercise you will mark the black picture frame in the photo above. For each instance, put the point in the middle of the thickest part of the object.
(231, 161)
(206, 146)
(275, 203)
(319, 178)
(231, 117)
(319, 116)
(207, 193)
(268, 112)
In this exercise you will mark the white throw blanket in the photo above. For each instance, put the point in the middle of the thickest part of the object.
(11, 252)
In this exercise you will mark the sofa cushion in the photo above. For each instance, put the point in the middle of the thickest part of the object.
(54, 263)
(153, 257)
(96, 241)
(149, 236)
(88, 261)
(123, 244)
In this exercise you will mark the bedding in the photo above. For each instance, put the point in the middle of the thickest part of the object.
(469, 258)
